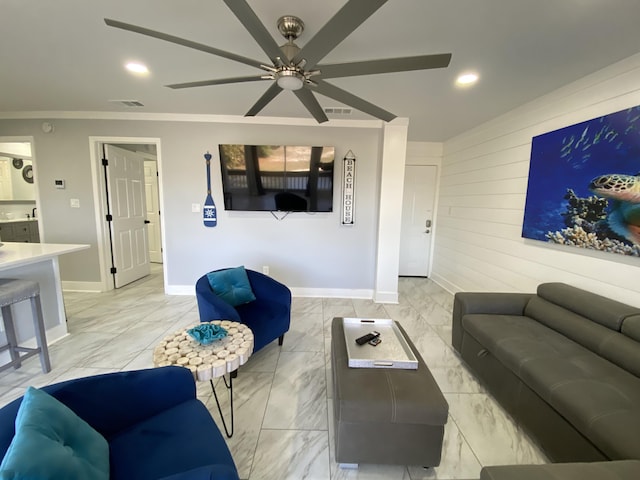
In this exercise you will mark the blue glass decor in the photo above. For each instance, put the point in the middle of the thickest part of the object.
(207, 333)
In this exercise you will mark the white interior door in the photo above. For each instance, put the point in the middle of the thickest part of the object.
(127, 206)
(417, 220)
(153, 210)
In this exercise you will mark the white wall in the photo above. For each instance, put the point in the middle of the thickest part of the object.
(394, 153)
(482, 196)
(424, 153)
(313, 254)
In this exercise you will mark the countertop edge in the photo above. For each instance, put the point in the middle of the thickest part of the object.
(15, 254)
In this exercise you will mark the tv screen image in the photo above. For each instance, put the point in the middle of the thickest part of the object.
(288, 178)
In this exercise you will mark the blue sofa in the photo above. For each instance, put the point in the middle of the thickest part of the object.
(155, 426)
(268, 316)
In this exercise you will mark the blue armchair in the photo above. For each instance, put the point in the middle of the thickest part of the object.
(268, 316)
(155, 426)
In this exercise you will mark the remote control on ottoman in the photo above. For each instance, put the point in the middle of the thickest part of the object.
(368, 337)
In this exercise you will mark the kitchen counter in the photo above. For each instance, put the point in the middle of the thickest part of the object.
(13, 254)
(37, 262)
(13, 220)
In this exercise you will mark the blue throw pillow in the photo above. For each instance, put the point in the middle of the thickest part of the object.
(232, 285)
(52, 442)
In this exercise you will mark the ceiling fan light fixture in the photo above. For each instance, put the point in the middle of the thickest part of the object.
(292, 68)
(290, 80)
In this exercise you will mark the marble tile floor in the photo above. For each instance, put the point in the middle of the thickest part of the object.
(283, 395)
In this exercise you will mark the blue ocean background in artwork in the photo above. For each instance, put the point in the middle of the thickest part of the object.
(570, 158)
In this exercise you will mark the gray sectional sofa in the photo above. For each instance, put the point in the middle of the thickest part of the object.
(564, 362)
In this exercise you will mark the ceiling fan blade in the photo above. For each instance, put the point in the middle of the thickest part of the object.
(347, 98)
(311, 104)
(337, 29)
(256, 28)
(220, 81)
(271, 93)
(183, 42)
(388, 65)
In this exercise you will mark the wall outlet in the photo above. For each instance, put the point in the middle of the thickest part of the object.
(265, 269)
(74, 202)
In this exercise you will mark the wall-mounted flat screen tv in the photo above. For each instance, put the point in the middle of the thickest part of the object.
(269, 178)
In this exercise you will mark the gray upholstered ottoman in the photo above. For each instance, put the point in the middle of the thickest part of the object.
(385, 415)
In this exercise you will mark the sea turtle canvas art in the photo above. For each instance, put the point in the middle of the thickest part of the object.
(584, 185)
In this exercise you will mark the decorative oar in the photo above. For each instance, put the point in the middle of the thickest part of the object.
(209, 214)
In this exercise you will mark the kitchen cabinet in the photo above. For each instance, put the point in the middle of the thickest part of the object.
(20, 231)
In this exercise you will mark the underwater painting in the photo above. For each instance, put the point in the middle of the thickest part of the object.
(584, 185)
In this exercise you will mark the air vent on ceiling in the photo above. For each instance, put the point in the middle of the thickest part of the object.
(338, 111)
(128, 103)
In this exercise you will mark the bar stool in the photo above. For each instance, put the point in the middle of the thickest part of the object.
(14, 291)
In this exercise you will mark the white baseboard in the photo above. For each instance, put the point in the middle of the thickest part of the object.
(296, 292)
(448, 286)
(362, 293)
(180, 290)
(332, 293)
(385, 297)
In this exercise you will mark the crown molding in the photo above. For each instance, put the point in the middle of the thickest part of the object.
(190, 117)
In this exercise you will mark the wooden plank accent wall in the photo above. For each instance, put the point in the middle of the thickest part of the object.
(483, 184)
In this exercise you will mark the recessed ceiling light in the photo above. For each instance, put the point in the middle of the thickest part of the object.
(135, 67)
(466, 79)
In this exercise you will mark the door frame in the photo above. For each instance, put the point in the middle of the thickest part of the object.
(100, 202)
(156, 180)
(428, 154)
(436, 168)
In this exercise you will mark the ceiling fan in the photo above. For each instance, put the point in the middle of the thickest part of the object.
(297, 69)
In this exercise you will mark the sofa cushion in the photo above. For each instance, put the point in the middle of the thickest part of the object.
(181, 438)
(52, 442)
(631, 327)
(515, 340)
(572, 325)
(623, 351)
(620, 470)
(610, 344)
(596, 396)
(232, 285)
(603, 310)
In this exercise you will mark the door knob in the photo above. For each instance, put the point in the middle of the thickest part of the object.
(147, 221)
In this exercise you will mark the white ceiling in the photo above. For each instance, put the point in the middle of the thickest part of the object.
(60, 56)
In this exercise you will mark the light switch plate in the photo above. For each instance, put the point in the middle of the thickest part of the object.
(75, 203)
(195, 207)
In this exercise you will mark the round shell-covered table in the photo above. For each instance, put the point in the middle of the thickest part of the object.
(206, 362)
